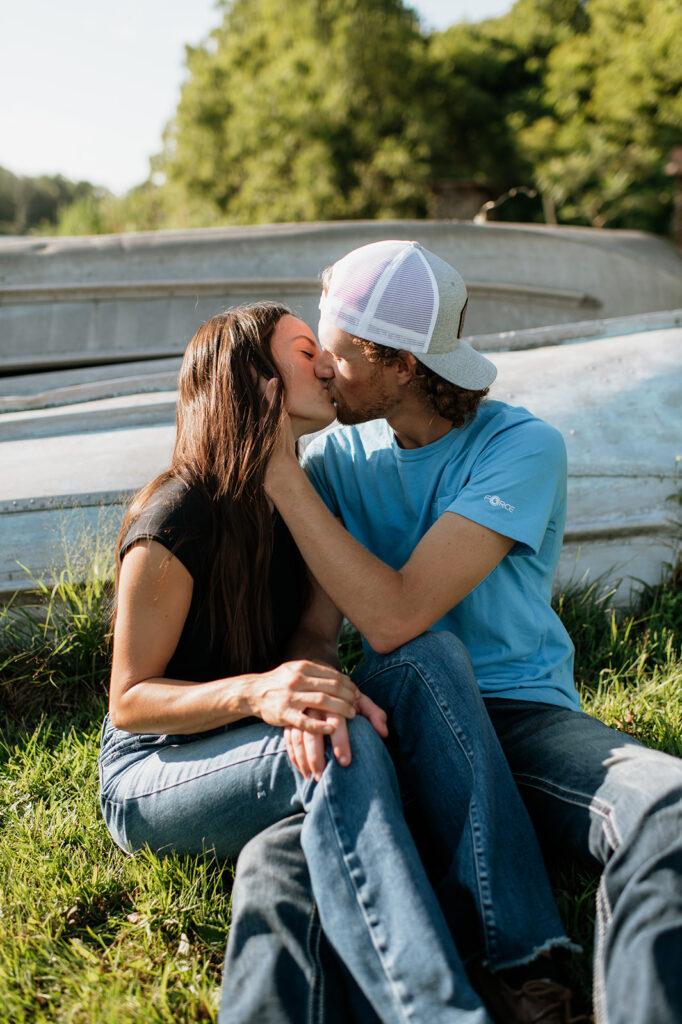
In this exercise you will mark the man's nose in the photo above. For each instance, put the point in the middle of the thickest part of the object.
(324, 369)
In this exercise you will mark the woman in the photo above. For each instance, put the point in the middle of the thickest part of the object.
(213, 613)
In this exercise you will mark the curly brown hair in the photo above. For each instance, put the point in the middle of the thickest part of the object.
(458, 405)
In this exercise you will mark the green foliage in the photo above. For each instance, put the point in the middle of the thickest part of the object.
(614, 99)
(32, 204)
(351, 652)
(325, 109)
(304, 110)
(94, 935)
(489, 79)
(143, 208)
(90, 934)
(54, 654)
(634, 655)
(479, 77)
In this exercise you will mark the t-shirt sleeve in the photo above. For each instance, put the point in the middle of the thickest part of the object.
(177, 518)
(516, 485)
(315, 467)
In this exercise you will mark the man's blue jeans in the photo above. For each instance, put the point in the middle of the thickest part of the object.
(595, 793)
(592, 793)
(473, 829)
(370, 886)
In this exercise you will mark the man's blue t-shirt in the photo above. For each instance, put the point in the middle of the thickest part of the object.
(506, 470)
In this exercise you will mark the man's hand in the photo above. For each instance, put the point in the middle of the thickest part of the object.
(306, 750)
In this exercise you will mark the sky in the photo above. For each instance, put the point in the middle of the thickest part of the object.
(87, 86)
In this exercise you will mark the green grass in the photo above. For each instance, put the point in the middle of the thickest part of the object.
(93, 935)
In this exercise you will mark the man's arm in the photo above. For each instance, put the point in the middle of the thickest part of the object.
(388, 606)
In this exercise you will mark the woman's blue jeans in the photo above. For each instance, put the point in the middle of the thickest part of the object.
(377, 906)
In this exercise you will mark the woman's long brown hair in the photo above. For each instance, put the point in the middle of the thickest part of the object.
(225, 435)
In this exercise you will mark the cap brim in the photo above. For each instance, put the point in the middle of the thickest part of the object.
(464, 366)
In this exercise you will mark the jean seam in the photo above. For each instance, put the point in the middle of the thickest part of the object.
(569, 796)
(600, 808)
(601, 925)
(315, 1013)
(329, 806)
(489, 924)
(191, 778)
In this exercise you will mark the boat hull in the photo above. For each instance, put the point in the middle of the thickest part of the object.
(69, 469)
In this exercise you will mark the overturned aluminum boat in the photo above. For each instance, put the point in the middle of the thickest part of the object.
(94, 419)
(111, 298)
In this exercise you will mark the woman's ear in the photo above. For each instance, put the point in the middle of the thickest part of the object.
(269, 389)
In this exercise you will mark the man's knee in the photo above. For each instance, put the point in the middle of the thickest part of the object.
(441, 648)
(435, 646)
(638, 804)
(640, 780)
(436, 661)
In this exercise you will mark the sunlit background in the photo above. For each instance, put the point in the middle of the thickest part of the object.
(566, 111)
(87, 86)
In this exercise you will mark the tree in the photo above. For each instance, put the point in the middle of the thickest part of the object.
(305, 110)
(143, 208)
(614, 111)
(479, 77)
(31, 204)
(489, 76)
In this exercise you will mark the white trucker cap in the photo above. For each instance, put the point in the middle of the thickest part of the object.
(397, 293)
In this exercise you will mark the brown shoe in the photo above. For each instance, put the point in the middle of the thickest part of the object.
(536, 1002)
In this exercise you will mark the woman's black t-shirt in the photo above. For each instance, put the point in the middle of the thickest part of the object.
(179, 517)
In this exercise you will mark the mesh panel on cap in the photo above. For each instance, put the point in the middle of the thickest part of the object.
(406, 309)
(352, 284)
(384, 292)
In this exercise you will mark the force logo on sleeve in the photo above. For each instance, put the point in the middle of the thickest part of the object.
(496, 501)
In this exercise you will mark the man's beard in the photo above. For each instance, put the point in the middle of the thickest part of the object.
(373, 408)
(349, 416)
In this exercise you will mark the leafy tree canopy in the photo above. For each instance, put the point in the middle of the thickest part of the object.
(614, 111)
(300, 110)
(305, 110)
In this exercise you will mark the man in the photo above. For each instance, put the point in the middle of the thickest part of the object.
(455, 508)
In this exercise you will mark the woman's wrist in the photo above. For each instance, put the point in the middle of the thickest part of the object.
(279, 473)
(247, 698)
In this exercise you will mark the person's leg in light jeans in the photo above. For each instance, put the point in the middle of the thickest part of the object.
(484, 857)
(595, 793)
(376, 904)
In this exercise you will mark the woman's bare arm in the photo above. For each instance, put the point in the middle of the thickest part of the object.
(155, 592)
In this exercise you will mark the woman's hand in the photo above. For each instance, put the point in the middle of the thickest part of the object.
(284, 452)
(290, 694)
(306, 750)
